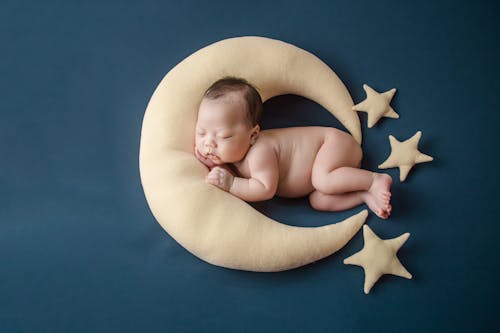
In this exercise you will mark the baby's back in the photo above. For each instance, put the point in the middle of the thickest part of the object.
(296, 149)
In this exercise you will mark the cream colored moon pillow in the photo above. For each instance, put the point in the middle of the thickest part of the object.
(210, 223)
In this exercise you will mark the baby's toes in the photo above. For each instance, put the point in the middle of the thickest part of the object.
(383, 214)
(383, 202)
(387, 206)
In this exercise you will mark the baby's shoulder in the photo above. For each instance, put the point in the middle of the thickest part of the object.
(263, 147)
(259, 156)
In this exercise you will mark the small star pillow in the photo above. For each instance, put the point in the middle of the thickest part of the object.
(378, 257)
(405, 155)
(376, 105)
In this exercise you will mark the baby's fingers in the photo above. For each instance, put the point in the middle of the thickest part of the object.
(214, 177)
(211, 177)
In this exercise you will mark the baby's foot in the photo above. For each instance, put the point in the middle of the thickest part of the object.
(378, 197)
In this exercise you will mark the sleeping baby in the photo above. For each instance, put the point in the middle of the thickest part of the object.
(254, 165)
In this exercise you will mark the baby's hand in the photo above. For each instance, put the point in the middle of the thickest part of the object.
(221, 178)
(203, 159)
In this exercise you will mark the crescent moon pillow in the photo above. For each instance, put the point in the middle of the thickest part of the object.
(210, 223)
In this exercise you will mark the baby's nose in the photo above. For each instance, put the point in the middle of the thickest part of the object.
(209, 141)
(209, 145)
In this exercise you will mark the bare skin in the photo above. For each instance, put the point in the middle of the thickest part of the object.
(320, 162)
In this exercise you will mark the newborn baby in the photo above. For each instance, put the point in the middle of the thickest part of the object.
(292, 162)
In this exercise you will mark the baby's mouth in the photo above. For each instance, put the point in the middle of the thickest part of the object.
(209, 157)
(212, 157)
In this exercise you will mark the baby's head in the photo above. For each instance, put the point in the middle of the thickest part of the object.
(227, 122)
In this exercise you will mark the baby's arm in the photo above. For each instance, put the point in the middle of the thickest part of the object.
(263, 181)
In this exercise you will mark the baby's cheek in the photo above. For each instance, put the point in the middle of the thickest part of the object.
(197, 142)
(232, 149)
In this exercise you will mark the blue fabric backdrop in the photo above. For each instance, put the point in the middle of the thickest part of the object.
(79, 248)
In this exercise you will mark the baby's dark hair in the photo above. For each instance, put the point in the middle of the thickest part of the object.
(233, 84)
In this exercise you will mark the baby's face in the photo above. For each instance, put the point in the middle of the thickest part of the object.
(223, 134)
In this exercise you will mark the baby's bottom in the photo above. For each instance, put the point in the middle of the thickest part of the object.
(340, 184)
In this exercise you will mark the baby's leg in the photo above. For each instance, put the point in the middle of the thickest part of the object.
(335, 172)
(339, 202)
(335, 169)
(335, 202)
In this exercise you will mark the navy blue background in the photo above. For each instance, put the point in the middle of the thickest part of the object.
(79, 248)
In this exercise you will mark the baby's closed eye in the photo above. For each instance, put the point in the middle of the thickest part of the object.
(225, 136)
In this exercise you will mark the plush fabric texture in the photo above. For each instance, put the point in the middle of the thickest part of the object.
(210, 223)
(376, 105)
(405, 155)
(378, 257)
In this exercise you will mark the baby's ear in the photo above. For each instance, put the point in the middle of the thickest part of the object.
(255, 134)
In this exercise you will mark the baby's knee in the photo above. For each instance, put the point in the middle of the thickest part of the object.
(317, 201)
(318, 182)
(357, 155)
